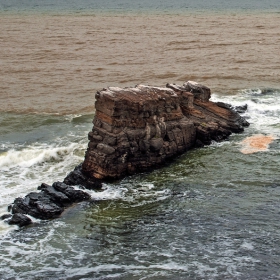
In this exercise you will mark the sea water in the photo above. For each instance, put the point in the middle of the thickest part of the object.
(212, 213)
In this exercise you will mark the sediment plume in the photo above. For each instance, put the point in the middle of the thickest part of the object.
(256, 143)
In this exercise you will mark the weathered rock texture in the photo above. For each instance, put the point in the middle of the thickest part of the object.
(139, 128)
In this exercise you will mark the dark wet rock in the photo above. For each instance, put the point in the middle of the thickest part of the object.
(70, 192)
(20, 220)
(6, 216)
(43, 186)
(50, 202)
(47, 209)
(241, 109)
(238, 109)
(224, 105)
(245, 123)
(77, 177)
(56, 196)
(21, 205)
(37, 205)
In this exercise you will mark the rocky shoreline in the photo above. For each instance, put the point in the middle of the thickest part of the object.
(135, 130)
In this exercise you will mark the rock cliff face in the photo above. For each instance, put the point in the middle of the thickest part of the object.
(139, 128)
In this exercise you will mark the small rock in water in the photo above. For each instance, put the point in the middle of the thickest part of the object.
(6, 216)
(241, 109)
(20, 220)
(71, 193)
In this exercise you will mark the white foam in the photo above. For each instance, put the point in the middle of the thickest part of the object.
(129, 193)
(30, 156)
(108, 192)
(70, 118)
(23, 170)
(263, 109)
(247, 246)
(5, 228)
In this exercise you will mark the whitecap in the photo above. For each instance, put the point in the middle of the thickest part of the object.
(30, 156)
(247, 246)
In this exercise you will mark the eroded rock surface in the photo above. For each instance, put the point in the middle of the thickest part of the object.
(139, 128)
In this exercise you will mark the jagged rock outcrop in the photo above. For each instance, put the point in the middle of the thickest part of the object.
(139, 128)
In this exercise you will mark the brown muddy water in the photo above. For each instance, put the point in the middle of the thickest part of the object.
(56, 63)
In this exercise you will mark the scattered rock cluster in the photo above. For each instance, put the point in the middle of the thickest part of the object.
(49, 203)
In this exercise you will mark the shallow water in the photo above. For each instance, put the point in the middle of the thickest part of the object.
(212, 213)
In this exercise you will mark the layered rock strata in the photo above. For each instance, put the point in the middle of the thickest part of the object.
(139, 128)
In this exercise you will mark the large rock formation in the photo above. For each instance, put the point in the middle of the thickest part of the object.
(135, 129)
(139, 128)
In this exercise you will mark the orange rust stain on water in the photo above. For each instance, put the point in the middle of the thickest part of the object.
(256, 143)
